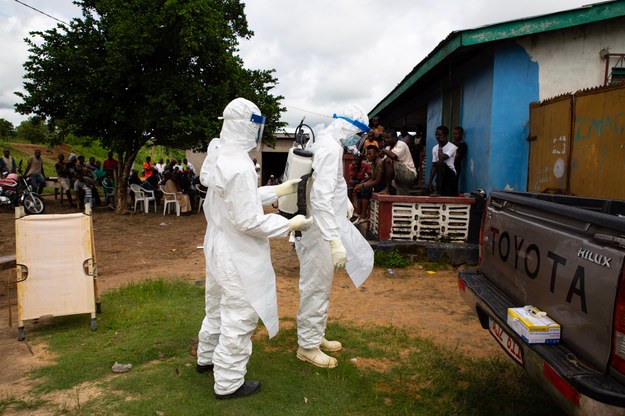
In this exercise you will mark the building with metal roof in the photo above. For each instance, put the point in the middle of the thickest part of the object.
(485, 78)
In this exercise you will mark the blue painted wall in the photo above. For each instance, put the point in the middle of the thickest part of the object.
(435, 118)
(515, 85)
(495, 115)
(477, 102)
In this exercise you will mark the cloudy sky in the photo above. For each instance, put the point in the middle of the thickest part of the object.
(327, 53)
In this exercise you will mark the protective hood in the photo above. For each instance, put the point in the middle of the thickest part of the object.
(347, 123)
(238, 127)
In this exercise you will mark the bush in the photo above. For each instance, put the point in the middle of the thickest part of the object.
(392, 259)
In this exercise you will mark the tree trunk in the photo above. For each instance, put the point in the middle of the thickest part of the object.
(121, 181)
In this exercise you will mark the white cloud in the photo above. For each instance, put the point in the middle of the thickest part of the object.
(327, 54)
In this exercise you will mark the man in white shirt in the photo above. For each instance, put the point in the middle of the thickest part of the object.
(443, 155)
(398, 165)
(160, 166)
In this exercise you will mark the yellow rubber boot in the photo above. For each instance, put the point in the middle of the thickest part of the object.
(330, 346)
(316, 357)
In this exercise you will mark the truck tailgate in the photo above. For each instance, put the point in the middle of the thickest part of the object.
(555, 258)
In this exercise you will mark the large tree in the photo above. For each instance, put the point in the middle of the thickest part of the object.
(130, 70)
(7, 130)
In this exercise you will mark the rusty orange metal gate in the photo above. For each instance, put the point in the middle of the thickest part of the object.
(550, 144)
(577, 144)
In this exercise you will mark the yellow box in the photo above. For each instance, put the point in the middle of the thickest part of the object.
(533, 325)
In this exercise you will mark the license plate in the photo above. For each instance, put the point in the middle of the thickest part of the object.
(506, 341)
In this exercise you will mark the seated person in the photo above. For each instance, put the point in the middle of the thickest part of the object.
(183, 199)
(399, 166)
(152, 183)
(134, 178)
(375, 183)
(184, 182)
(443, 155)
(358, 171)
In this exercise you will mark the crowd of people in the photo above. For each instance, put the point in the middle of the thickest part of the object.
(83, 182)
(388, 162)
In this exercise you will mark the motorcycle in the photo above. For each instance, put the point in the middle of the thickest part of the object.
(15, 190)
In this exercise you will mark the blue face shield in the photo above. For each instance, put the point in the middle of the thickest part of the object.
(351, 141)
(261, 121)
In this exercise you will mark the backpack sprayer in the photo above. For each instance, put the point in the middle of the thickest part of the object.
(298, 165)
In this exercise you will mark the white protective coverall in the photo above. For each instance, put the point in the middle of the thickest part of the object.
(240, 281)
(327, 205)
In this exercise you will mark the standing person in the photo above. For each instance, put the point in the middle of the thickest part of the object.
(64, 178)
(398, 165)
(110, 165)
(147, 167)
(9, 162)
(160, 166)
(34, 170)
(272, 180)
(457, 135)
(377, 131)
(332, 243)
(186, 165)
(240, 281)
(443, 155)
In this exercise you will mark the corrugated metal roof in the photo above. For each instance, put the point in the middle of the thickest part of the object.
(458, 40)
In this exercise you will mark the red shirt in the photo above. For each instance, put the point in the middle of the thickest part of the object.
(110, 164)
(147, 169)
(359, 175)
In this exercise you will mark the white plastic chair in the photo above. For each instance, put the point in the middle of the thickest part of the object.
(169, 198)
(150, 196)
(109, 194)
(202, 197)
(139, 197)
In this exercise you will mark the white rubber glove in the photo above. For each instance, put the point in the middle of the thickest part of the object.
(288, 187)
(350, 208)
(339, 255)
(299, 223)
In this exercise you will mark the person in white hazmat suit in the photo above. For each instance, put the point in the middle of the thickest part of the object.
(332, 242)
(240, 281)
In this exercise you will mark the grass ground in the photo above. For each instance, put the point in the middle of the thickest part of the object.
(153, 326)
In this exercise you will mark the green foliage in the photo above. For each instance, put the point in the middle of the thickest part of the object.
(129, 71)
(391, 259)
(154, 325)
(7, 130)
(34, 130)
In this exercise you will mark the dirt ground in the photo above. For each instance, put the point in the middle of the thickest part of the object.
(139, 246)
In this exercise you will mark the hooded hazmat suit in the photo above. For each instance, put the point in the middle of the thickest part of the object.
(240, 281)
(328, 205)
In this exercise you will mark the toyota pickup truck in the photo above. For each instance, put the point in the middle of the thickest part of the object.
(563, 255)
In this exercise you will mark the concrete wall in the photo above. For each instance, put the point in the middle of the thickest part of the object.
(515, 85)
(569, 59)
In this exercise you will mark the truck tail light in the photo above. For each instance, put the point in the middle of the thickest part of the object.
(461, 285)
(617, 357)
(479, 256)
(560, 384)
